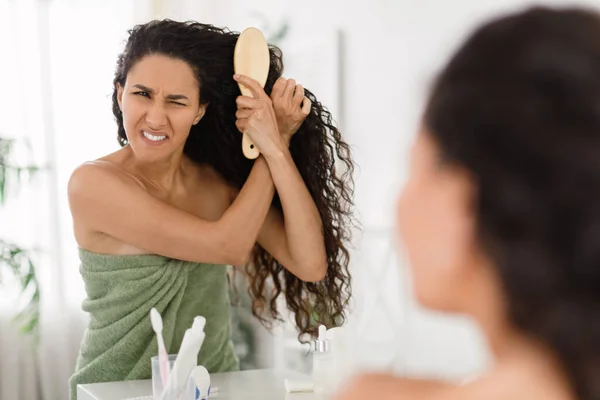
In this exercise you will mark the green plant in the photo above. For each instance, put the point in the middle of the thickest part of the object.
(15, 261)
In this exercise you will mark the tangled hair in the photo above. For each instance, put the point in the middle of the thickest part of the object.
(215, 140)
(519, 107)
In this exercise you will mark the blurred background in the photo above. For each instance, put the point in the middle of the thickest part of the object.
(369, 62)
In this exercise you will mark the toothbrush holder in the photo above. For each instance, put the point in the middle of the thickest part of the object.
(157, 386)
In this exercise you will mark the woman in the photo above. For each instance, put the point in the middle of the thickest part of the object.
(501, 213)
(158, 220)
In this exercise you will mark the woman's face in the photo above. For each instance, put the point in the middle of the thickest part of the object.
(436, 224)
(160, 102)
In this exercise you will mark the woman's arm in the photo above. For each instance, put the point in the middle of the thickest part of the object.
(103, 202)
(295, 238)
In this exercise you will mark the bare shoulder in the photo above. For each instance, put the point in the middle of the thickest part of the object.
(513, 380)
(526, 379)
(108, 168)
(99, 178)
(87, 173)
(389, 387)
(93, 187)
(92, 175)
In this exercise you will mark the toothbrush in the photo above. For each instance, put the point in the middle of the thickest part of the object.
(163, 358)
(184, 364)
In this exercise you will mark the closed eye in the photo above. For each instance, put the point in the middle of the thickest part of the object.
(144, 93)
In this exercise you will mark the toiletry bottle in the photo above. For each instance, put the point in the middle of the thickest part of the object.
(340, 355)
(322, 363)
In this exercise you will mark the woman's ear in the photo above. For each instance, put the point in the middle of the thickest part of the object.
(201, 112)
(120, 96)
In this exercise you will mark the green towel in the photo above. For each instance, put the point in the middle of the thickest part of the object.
(121, 290)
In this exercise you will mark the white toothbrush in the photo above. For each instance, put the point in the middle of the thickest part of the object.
(184, 363)
(163, 357)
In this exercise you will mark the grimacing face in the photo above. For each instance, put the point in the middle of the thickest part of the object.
(160, 102)
(436, 224)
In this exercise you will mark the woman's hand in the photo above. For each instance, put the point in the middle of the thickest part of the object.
(291, 107)
(256, 118)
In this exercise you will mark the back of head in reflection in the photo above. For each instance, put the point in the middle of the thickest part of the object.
(500, 216)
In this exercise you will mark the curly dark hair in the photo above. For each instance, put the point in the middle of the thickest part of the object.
(316, 149)
(518, 106)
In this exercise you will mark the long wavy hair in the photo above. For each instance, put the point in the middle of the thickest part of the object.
(317, 148)
(518, 106)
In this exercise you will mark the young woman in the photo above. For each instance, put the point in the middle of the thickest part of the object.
(158, 221)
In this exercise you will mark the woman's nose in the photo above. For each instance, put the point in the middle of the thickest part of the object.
(156, 117)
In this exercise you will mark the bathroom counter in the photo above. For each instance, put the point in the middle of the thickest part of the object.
(264, 384)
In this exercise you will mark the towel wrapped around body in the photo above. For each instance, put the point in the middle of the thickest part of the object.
(121, 291)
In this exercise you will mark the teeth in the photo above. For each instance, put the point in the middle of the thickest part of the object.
(154, 138)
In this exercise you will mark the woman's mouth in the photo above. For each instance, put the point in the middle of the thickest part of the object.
(154, 138)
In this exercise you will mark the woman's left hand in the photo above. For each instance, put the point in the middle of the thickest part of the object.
(256, 118)
(290, 105)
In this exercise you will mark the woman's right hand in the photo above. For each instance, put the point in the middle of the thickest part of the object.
(290, 105)
(256, 118)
